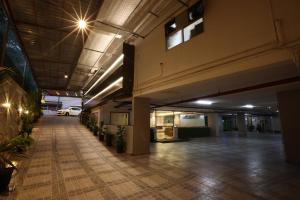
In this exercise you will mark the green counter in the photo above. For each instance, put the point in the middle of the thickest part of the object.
(192, 132)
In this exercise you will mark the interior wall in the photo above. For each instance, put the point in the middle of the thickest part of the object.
(108, 108)
(238, 36)
(198, 121)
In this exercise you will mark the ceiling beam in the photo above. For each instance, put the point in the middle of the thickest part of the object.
(236, 91)
(120, 29)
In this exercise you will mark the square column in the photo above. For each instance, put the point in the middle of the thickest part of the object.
(141, 126)
(215, 124)
(241, 124)
(289, 109)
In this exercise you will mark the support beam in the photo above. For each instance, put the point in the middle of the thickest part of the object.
(289, 109)
(215, 124)
(141, 126)
(120, 29)
(241, 123)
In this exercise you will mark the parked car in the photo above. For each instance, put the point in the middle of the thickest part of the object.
(74, 111)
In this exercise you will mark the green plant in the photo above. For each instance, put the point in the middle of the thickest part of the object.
(27, 124)
(11, 148)
(84, 117)
(108, 139)
(120, 142)
(92, 122)
(101, 131)
(95, 130)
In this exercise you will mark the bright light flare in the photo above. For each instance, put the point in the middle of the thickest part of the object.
(6, 105)
(248, 106)
(204, 102)
(20, 110)
(82, 24)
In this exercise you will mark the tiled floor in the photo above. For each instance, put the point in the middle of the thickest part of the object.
(68, 162)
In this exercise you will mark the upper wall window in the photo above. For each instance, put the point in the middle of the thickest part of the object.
(185, 26)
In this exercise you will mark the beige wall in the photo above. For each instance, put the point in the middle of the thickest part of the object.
(103, 112)
(10, 92)
(238, 36)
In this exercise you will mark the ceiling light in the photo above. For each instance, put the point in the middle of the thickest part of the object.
(6, 105)
(115, 64)
(26, 112)
(66, 76)
(119, 80)
(82, 24)
(118, 36)
(204, 102)
(248, 106)
(20, 110)
(173, 25)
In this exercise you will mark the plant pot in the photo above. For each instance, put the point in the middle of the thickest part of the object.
(120, 148)
(95, 132)
(5, 176)
(101, 137)
(108, 140)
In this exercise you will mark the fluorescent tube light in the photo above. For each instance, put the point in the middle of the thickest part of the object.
(204, 102)
(115, 64)
(106, 89)
(248, 106)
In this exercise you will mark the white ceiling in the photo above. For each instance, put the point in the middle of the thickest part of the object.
(261, 98)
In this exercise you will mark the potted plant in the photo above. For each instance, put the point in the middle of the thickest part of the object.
(92, 123)
(95, 130)
(102, 131)
(120, 142)
(9, 149)
(27, 124)
(108, 139)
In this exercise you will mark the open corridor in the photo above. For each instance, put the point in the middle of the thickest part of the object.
(68, 162)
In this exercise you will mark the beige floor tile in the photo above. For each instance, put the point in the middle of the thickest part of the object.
(39, 179)
(72, 173)
(154, 180)
(36, 193)
(111, 176)
(125, 189)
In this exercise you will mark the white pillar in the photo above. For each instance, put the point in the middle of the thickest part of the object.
(241, 123)
(215, 124)
(141, 126)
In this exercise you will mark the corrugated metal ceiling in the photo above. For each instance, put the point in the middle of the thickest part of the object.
(127, 18)
(42, 25)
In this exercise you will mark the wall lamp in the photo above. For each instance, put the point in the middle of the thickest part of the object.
(6, 105)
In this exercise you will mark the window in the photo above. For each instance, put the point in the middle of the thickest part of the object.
(174, 39)
(170, 27)
(195, 12)
(193, 29)
(185, 26)
(119, 118)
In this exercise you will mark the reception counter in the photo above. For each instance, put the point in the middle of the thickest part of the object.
(192, 132)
